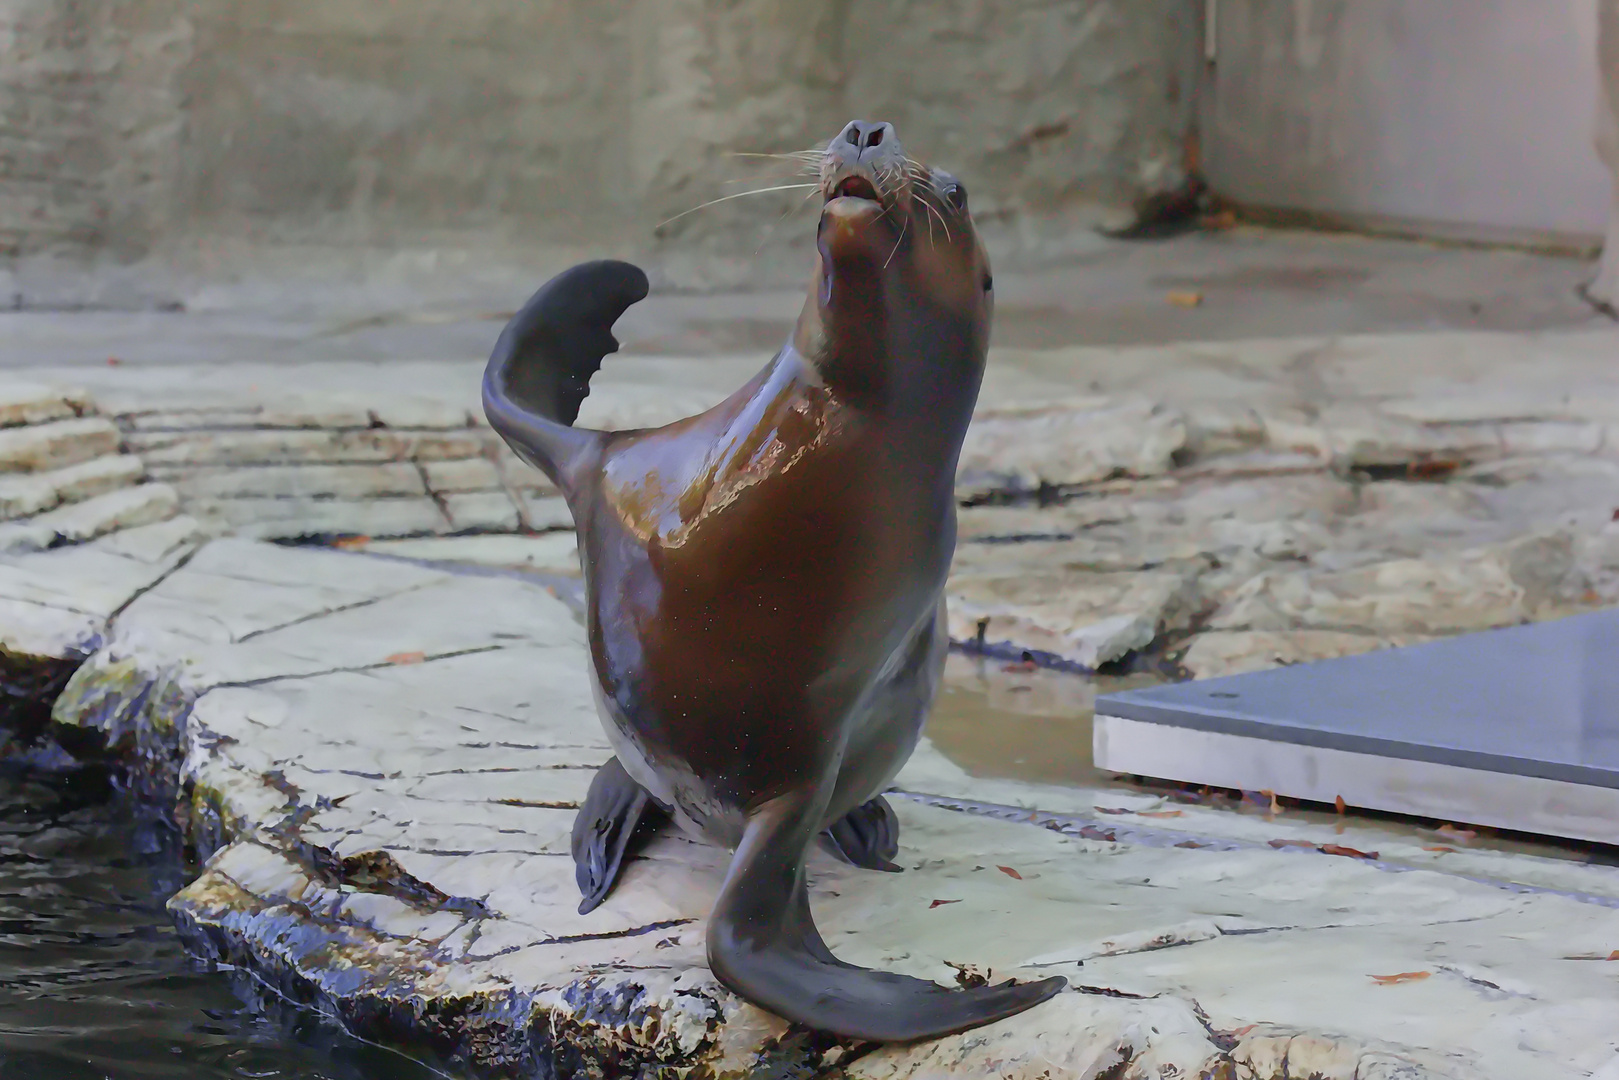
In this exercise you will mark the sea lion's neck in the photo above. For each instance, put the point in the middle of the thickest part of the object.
(912, 366)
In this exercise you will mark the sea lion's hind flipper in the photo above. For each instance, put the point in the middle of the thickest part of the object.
(539, 372)
(867, 836)
(606, 824)
(763, 945)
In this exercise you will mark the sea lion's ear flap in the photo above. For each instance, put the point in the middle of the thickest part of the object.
(548, 352)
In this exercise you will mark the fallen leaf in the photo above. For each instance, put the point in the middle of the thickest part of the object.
(347, 543)
(1340, 804)
(1431, 470)
(941, 903)
(1009, 872)
(1439, 847)
(1190, 844)
(1291, 843)
(1184, 299)
(1275, 807)
(1160, 813)
(1402, 977)
(407, 658)
(1614, 955)
(1348, 852)
(113, 361)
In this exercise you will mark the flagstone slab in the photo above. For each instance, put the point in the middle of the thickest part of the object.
(384, 759)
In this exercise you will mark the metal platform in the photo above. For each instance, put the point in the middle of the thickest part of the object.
(1515, 728)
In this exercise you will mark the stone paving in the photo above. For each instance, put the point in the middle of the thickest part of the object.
(1219, 506)
(384, 759)
(384, 750)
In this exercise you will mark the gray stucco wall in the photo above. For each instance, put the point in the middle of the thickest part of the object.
(178, 130)
(1471, 114)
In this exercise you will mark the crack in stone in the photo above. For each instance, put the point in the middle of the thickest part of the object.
(571, 939)
(356, 605)
(358, 669)
(180, 564)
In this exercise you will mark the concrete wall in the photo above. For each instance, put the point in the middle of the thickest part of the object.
(1475, 114)
(198, 130)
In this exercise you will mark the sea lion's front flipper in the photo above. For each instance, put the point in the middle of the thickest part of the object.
(763, 945)
(602, 831)
(867, 836)
(540, 370)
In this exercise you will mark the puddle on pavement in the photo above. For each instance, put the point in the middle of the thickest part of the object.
(1010, 721)
(1017, 722)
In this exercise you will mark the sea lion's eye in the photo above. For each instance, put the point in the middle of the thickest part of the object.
(989, 282)
(956, 194)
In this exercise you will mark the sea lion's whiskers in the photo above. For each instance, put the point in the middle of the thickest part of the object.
(923, 199)
(905, 225)
(734, 195)
(799, 205)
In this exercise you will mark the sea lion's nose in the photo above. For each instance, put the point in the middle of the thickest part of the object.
(866, 136)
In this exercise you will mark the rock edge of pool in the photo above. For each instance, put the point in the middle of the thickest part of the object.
(378, 763)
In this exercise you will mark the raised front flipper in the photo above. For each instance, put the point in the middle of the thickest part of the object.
(867, 836)
(763, 945)
(539, 372)
(603, 830)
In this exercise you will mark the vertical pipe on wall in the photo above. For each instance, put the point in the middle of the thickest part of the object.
(1604, 291)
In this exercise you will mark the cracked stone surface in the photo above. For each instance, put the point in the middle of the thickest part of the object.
(1284, 498)
(63, 477)
(384, 759)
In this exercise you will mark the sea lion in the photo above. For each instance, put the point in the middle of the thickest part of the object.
(765, 581)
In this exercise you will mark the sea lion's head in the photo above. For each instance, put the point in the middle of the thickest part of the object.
(901, 269)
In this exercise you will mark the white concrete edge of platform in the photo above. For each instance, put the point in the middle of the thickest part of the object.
(1423, 789)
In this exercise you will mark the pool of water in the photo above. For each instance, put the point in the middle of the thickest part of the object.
(94, 982)
(1014, 721)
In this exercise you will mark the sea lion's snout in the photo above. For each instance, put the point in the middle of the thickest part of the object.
(864, 162)
(864, 180)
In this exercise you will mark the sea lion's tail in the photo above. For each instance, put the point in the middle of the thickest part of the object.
(540, 370)
(763, 945)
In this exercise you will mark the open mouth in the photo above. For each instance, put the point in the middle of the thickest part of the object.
(854, 187)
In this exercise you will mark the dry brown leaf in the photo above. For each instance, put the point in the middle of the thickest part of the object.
(407, 658)
(1009, 872)
(1184, 299)
(1348, 852)
(347, 543)
(1439, 847)
(1340, 804)
(941, 903)
(1160, 813)
(1402, 977)
(1292, 843)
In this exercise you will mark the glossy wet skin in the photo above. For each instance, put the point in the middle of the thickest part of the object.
(761, 573)
(764, 581)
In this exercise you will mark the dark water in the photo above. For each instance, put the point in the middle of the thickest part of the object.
(94, 982)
